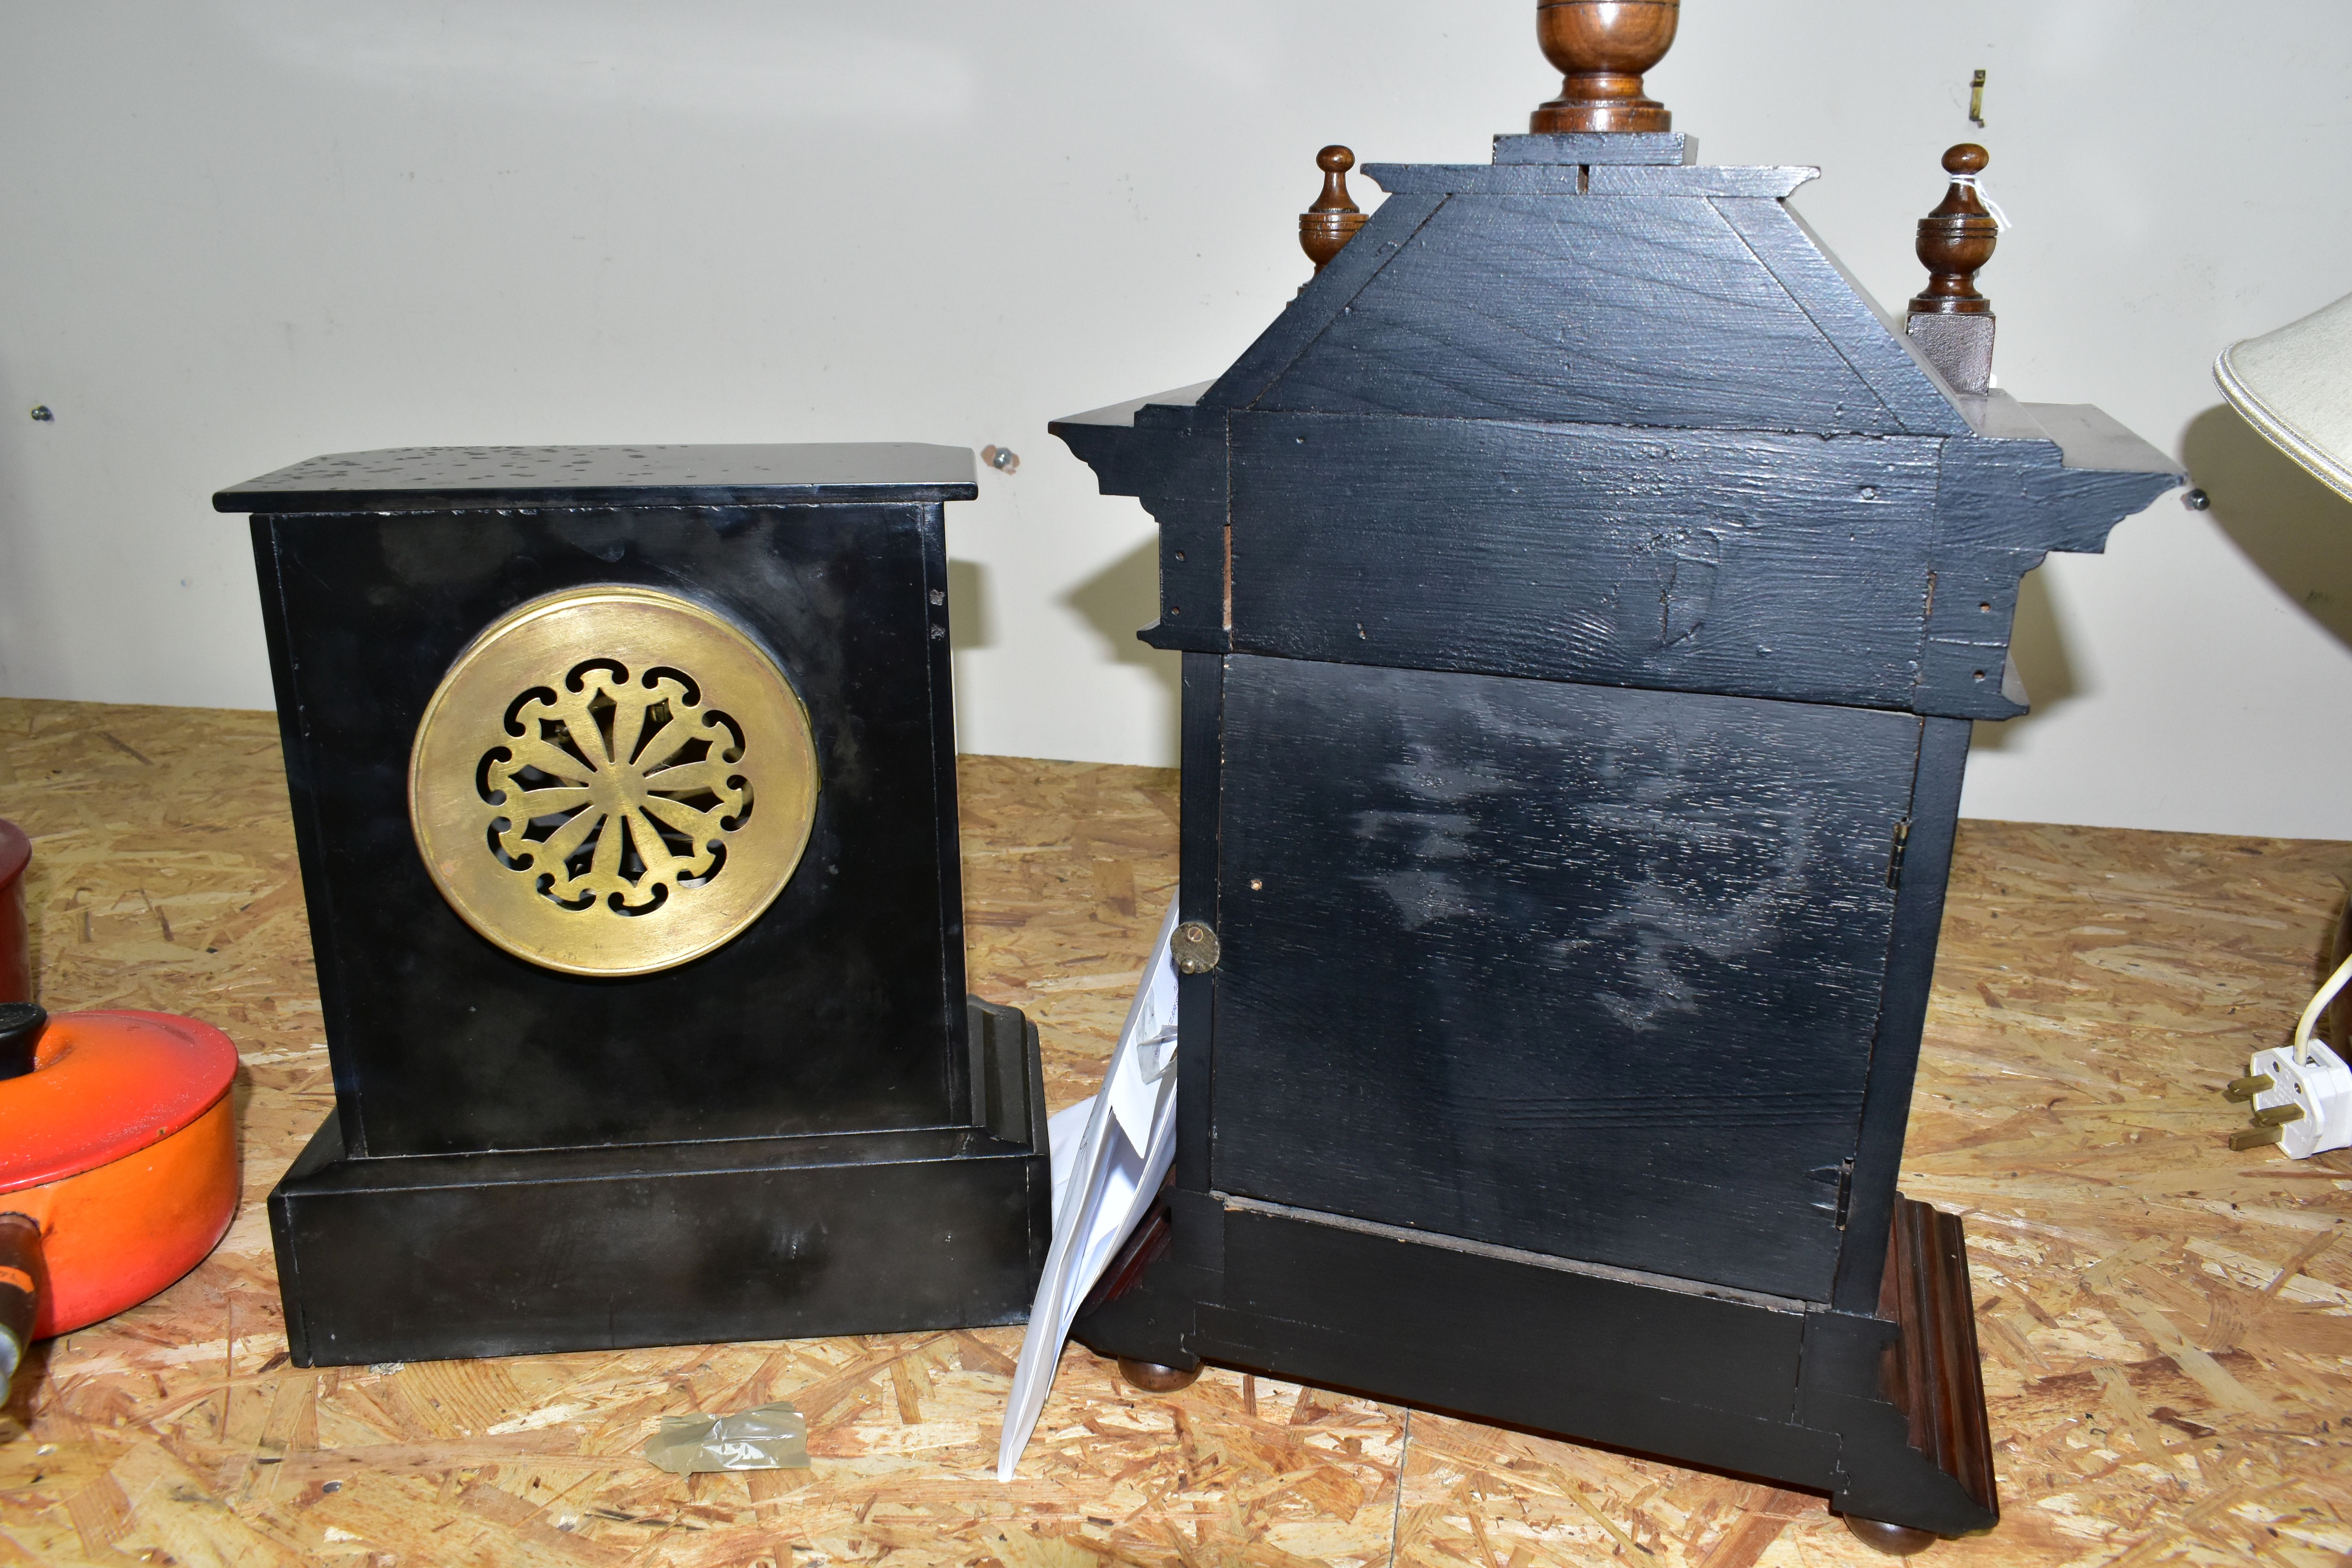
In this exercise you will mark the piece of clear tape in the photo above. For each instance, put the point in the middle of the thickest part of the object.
(1165, 1043)
(1976, 183)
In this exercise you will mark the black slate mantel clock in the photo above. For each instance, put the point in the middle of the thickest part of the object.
(1585, 596)
(624, 781)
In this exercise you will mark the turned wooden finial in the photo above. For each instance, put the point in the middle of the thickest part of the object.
(1327, 226)
(1601, 48)
(1956, 239)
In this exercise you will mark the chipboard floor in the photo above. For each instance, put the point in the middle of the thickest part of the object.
(2167, 1326)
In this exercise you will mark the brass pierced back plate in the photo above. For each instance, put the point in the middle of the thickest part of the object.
(611, 781)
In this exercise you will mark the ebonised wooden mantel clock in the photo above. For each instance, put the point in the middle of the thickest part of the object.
(1585, 596)
(624, 781)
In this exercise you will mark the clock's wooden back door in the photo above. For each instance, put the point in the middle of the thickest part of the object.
(1587, 971)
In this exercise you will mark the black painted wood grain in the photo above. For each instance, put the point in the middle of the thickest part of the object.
(1964, 662)
(1599, 180)
(1754, 563)
(1636, 310)
(1168, 456)
(1902, 1013)
(2029, 492)
(1842, 312)
(1171, 451)
(1394, 224)
(1564, 1351)
(1580, 969)
(1651, 147)
(1201, 784)
(1593, 1356)
(1191, 573)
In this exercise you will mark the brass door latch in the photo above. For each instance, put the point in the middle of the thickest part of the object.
(1194, 948)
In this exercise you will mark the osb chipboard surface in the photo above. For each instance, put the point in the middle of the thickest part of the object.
(2167, 1326)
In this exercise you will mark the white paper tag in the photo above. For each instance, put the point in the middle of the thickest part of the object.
(1102, 1184)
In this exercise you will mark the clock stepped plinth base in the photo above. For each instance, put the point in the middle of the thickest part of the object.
(431, 1256)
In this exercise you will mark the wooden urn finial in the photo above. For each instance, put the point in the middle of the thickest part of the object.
(1956, 239)
(1327, 226)
(1601, 48)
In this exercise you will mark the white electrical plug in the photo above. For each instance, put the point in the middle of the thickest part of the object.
(2302, 1093)
(2308, 1100)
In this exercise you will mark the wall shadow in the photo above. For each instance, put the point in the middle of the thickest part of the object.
(971, 621)
(2039, 647)
(2296, 530)
(1122, 599)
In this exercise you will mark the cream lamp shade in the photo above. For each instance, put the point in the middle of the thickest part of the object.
(2294, 386)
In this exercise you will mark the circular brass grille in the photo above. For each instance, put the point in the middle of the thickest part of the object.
(611, 781)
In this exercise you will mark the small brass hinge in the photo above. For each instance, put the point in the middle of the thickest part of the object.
(1895, 856)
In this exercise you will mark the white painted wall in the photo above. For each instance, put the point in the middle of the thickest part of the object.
(241, 232)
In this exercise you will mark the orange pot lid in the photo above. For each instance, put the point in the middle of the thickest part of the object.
(105, 1085)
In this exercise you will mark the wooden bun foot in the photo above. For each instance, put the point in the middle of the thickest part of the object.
(1895, 1540)
(1153, 1378)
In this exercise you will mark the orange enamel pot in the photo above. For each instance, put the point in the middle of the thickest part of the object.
(15, 941)
(118, 1162)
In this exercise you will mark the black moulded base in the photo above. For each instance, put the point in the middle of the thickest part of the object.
(1884, 1411)
(430, 1257)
